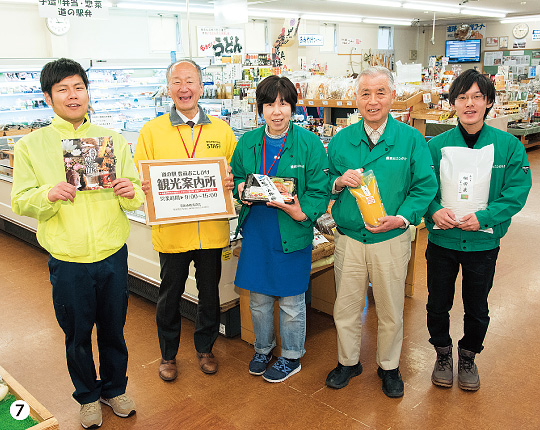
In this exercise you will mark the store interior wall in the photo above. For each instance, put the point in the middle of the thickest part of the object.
(127, 36)
(493, 29)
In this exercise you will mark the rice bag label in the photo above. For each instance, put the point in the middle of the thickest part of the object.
(465, 186)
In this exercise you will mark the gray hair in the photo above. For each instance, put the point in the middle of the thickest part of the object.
(374, 71)
(199, 71)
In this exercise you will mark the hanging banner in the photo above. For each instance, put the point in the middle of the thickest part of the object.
(218, 41)
(84, 9)
(465, 31)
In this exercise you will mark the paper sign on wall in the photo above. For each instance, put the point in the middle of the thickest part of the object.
(217, 41)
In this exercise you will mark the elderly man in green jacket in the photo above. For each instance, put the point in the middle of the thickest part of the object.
(398, 156)
(469, 239)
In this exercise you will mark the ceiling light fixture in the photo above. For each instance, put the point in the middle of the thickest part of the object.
(483, 12)
(387, 21)
(430, 7)
(164, 7)
(332, 18)
(386, 3)
(520, 19)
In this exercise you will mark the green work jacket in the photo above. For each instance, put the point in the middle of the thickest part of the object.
(402, 166)
(508, 190)
(303, 157)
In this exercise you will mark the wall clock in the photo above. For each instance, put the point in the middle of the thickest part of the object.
(58, 26)
(520, 30)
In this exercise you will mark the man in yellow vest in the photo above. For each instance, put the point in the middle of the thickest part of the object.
(187, 132)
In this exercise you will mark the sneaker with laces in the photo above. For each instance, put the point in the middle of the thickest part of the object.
(282, 369)
(122, 405)
(90, 414)
(443, 371)
(468, 378)
(257, 365)
(392, 384)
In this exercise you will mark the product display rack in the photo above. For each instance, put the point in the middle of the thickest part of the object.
(21, 99)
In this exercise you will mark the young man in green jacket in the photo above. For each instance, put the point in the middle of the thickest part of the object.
(398, 156)
(470, 241)
(85, 234)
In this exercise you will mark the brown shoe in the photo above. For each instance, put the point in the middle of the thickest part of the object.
(167, 370)
(207, 362)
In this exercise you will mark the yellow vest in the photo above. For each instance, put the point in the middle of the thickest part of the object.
(159, 139)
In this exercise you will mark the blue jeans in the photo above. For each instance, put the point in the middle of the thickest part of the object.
(292, 317)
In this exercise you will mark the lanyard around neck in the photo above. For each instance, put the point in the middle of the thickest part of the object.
(195, 146)
(277, 156)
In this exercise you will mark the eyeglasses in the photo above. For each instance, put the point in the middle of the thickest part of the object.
(475, 98)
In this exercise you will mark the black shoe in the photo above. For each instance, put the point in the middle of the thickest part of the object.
(392, 384)
(340, 376)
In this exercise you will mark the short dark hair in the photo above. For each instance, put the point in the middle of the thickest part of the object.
(466, 80)
(197, 67)
(55, 71)
(272, 86)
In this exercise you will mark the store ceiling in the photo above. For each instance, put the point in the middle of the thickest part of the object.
(333, 10)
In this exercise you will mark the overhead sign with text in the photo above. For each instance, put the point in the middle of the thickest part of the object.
(219, 42)
(84, 9)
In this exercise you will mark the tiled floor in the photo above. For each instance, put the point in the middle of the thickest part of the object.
(31, 349)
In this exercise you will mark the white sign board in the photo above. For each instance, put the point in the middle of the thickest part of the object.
(218, 41)
(82, 9)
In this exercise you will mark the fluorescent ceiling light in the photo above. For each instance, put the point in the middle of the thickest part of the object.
(432, 7)
(332, 18)
(387, 3)
(387, 21)
(483, 12)
(266, 13)
(157, 7)
(520, 19)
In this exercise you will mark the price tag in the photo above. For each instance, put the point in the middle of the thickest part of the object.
(310, 102)
(339, 103)
(325, 102)
(300, 102)
(349, 103)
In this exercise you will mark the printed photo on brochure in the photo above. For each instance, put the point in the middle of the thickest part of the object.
(90, 163)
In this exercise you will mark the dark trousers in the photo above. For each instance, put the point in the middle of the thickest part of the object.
(85, 294)
(478, 270)
(174, 273)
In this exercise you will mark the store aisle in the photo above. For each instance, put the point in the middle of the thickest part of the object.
(31, 349)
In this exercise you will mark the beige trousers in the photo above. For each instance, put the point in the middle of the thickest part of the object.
(383, 264)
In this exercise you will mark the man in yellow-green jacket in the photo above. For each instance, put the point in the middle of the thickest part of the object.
(85, 234)
(187, 132)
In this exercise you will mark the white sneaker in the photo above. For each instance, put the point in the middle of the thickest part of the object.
(122, 405)
(91, 415)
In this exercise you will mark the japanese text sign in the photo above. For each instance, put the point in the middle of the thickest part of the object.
(218, 42)
(85, 9)
(186, 190)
